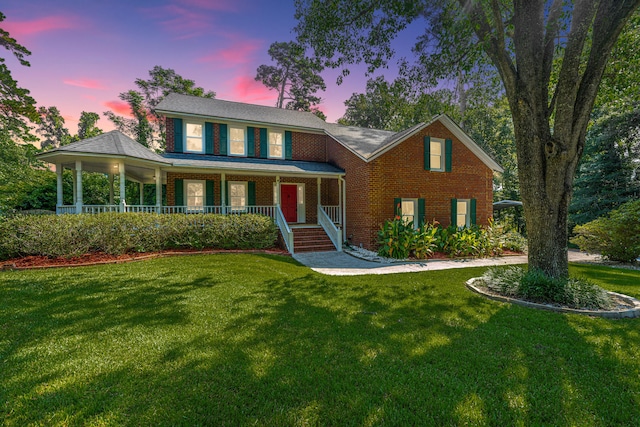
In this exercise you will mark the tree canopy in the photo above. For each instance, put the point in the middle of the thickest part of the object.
(146, 126)
(16, 105)
(549, 54)
(295, 77)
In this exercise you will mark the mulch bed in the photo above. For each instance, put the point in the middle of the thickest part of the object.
(33, 262)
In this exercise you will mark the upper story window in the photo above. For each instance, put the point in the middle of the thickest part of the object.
(237, 141)
(436, 154)
(276, 142)
(194, 137)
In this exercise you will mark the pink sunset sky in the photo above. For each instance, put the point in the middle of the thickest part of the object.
(84, 53)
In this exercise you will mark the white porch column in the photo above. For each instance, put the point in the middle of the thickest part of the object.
(75, 187)
(340, 201)
(111, 188)
(343, 207)
(59, 198)
(122, 188)
(78, 186)
(277, 190)
(319, 191)
(158, 190)
(223, 192)
(141, 193)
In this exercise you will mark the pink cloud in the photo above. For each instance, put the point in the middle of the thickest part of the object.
(119, 107)
(50, 23)
(85, 83)
(246, 89)
(239, 52)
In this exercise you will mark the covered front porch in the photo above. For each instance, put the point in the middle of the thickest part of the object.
(294, 194)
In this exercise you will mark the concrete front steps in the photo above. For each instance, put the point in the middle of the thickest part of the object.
(311, 239)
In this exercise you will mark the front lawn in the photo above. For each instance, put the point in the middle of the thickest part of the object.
(260, 340)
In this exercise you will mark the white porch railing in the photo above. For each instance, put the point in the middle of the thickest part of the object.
(333, 212)
(94, 209)
(330, 228)
(287, 234)
(67, 209)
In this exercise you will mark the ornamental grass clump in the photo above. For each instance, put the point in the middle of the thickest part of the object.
(536, 286)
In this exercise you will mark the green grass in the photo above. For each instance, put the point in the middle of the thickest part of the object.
(260, 340)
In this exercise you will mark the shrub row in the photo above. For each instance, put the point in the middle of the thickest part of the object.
(536, 286)
(118, 233)
(397, 239)
(615, 236)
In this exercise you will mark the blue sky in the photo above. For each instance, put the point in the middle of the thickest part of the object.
(84, 53)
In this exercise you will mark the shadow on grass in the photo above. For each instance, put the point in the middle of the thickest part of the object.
(291, 347)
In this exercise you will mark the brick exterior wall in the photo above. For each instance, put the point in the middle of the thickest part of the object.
(370, 187)
(309, 147)
(400, 173)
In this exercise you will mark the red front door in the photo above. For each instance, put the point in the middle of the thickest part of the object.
(289, 202)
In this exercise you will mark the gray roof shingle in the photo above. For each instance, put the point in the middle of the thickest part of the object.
(228, 110)
(112, 143)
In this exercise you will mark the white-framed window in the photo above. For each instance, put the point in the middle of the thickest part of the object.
(237, 141)
(436, 154)
(194, 190)
(409, 211)
(276, 144)
(238, 193)
(463, 213)
(194, 137)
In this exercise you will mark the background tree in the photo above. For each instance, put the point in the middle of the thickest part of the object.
(87, 126)
(608, 174)
(145, 125)
(51, 128)
(16, 104)
(295, 77)
(550, 56)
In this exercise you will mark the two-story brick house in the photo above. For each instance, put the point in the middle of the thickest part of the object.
(231, 157)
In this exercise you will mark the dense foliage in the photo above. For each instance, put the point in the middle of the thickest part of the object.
(616, 236)
(118, 233)
(399, 239)
(535, 286)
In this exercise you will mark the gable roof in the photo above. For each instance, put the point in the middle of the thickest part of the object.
(112, 143)
(228, 110)
(366, 143)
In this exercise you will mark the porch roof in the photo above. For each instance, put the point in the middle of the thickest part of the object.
(247, 164)
(113, 143)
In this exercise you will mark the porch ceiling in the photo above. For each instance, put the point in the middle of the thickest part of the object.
(134, 170)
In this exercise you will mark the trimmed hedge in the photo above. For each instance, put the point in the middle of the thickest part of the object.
(118, 233)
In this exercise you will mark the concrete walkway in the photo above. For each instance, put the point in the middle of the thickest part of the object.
(342, 264)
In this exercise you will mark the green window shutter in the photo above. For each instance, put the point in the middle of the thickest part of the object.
(226, 193)
(223, 140)
(288, 149)
(421, 212)
(220, 193)
(397, 204)
(427, 153)
(473, 211)
(264, 143)
(179, 190)
(209, 193)
(208, 138)
(178, 139)
(251, 197)
(454, 212)
(251, 142)
(447, 154)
